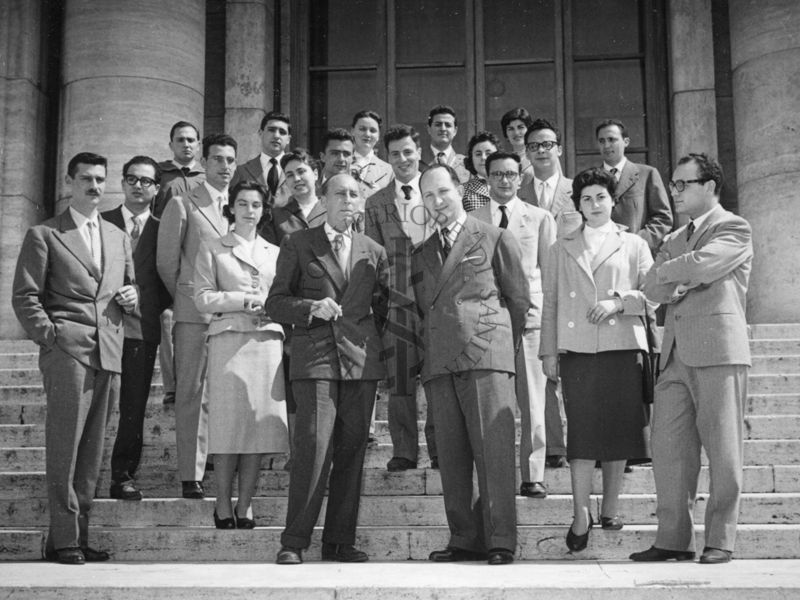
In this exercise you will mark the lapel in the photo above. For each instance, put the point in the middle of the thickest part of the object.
(574, 246)
(321, 248)
(629, 176)
(611, 244)
(388, 207)
(204, 203)
(359, 251)
(562, 200)
(147, 240)
(716, 214)
(73, 241)
(108, 233)
(316, 212)
(115, 216)
(253, 168)
(470, 236)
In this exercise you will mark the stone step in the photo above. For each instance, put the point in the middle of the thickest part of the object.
(785, 363)
(32, 376)
(535, 542)
(773, 331)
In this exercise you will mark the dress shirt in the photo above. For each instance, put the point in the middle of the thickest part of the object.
(411, 212)
(449, 154)
(127, 216)
(453, 230)
(512, 206)
(220, 198)
(594, 238)
(266, 164)
(190, 166)
(546, 195)
(620, 165)
(698, 221)
(90, 237)
(343, 254)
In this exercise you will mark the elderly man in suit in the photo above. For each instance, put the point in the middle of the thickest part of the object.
(641, 202)
(331, 285)
(472, 291)
(140, 184)
(276, 134)
(535, 230)
(701, 274)
(73, 281)
(188, 221)
(442, 129)
(397, 220)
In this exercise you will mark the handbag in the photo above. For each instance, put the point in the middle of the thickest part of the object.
(650, 359)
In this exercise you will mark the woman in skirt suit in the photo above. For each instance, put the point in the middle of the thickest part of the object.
(592, 336)
(247, 408)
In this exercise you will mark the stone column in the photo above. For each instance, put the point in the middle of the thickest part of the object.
(249, 77)
(765, 56)
(130, 70)
(23, 106)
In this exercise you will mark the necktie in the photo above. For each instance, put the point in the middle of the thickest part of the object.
(135, 232)
(689, 230)
(94, 243)
(614, 171)
(440, 158)
(185, 171)
(446, 247)
(272, 176)
(503, 216)
(406, 191)
(338, 250)
(220, 205)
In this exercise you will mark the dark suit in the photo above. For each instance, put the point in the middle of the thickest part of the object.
(252, 171)
(142, 335)
(474, 308)
(642, 204)
(403, 346)
(335, 368)
(67, 306)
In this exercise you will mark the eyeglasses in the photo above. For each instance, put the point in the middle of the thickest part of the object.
(681, 184)
(534, 146)
(145, 181)
(510, 175)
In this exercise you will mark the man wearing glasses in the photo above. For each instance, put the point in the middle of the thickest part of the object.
(701, 273)
(140, 183)
(276, 133)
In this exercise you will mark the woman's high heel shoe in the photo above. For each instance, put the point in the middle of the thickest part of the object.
(229, 523)
(576, 543)
(243, 522)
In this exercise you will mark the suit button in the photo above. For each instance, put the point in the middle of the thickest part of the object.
(572, 294)
(570, 324)
(612, 322)
(433, 307)
(255, 284)
(458, 301)
(610, 292)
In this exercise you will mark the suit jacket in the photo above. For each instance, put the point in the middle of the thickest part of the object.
(252, 171)
(61, 298)
(562, 208)
(224, 273)
(473, 306)
(144, 322)
(349, 347)
(573, 285)
(287, 219)
(457, 162)
(535, 230)
(175, 183)
(187, 222)
(642, 204)
(707, 325)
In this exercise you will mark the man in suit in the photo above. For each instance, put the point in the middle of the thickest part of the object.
(187, 222)
(701, 274)
(276, 133)
(473, 294)
(442, 129)
(73, 281)
(140, 184)
(331, 285)
(396, 219)
(640, 202)
(535, 230)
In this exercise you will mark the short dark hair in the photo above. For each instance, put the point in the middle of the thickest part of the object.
(367, 114)
(501, 155)
(708, 169)
(608, 123)
(450, 171)
(339, 134)
(442, 109)
(245, 186)
(86, 158)
(274, 115)
(301, 155)
(481, 136)
(217, 139)
(400, 131)
(143, 160)
(540, 124)
(592, 176)
(181, 125)
(515, 114)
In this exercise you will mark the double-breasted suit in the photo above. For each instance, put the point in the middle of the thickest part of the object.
(700, 394)
(335, 368)
(66, 305)
(474, 306)
(186, 223)
(642, 204)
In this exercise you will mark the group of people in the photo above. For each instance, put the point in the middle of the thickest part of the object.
(281, 290)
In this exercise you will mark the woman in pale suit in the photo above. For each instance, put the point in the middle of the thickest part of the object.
(593, 336)
(247, 408)
(373, 173)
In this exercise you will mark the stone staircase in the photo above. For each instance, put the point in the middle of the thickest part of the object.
(402, 514)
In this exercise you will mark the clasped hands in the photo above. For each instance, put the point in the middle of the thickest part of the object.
(325, 309)
(253, 304)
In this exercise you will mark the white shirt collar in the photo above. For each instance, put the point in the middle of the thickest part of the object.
(190, 166)
(455, 227)
(511, 207)
(701, 219)
(80, 219)
(551, 181)
(128, 215)
(362, 161)
(448, 154)
(332, 233)
(620, 165)
(414, 183)
(266, 159)
(215, 193)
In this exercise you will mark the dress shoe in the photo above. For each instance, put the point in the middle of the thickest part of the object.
(228, 523)
(435, 463)
(66, 556)
(92, 555)
(533, 490)
(611, 523)
(715, 556)
(345, 553)
(169, 398)
(453, 554)
(555, 461)
(398, 463)
(243, 522)
(575, 542)
(653, 554)
(289, 556)
(500, 556)
(193, 490)
(124, 491)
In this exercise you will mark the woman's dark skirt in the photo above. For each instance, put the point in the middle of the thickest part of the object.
(606, 416)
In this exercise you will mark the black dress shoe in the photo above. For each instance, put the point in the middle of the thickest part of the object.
(715, 556)
(92, 555)
(500, 556)
(398, 463)
(289, 556)
(555, 462)
(452, 554)
(575, 542)
(229, 523)
(124, 491)
(66, 556)
(533, 490)
(243, 522)
(611, 523)
(192, 490)
(345, 553)
(653, 554)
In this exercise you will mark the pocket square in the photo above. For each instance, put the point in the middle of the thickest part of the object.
(472, 257)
